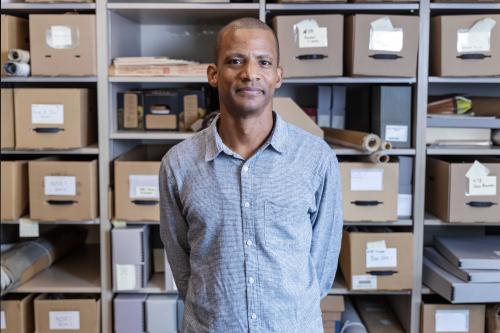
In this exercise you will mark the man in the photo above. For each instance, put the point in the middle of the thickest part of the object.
(250, 207)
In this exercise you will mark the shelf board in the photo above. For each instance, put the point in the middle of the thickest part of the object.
(399, 223)
(184, 13)
(156, 285)
(487, 80)
(48, 79)
(90, 222)
(339, 150)
(21, 7)
(127, 223)
(349, 80)
(430, 219)
(464, 151)
(137, 135)
(340, 288)
(158, 79)
(91, 150)
(78, 272)
(464, 6)
(341, 7)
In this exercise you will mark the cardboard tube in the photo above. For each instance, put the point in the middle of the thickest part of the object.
(386, 145)
(378, 157)
(16, 69)
(367, 142)
(351, 322)
(18, 55)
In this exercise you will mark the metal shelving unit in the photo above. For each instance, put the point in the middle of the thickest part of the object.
(120, 28)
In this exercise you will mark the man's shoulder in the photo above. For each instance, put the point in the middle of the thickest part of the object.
(302, 139)
(188, 150)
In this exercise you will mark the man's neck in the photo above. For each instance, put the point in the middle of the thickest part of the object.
(245, 135)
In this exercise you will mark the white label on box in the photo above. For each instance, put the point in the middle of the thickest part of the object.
(125, 277)
(473, 41)
(386, 40)
(64, 320)
(376, 258)
(367, 179)
(59, 37)
(60, 185)
(483, 186)
(28, 228)
(364, 282)
(3, 324)
(452, 321)
(313, 37)
(405, 203)
(396, 133)
(380, 244)
(144, 186)
(47, 114)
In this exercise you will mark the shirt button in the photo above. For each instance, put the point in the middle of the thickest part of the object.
(247, 204)
(251, 280)
(254, 316)
(249, 242)
(245, 168)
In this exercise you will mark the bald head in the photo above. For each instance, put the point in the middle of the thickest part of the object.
(244, 23)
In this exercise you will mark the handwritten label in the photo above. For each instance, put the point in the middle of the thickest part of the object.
(313, 37)
(376, 258)
(64, 320)
(452, 321)
(367, 179)
(52, 114)
(60, 185)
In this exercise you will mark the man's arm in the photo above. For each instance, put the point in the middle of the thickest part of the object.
(327, 226)
(173, 229)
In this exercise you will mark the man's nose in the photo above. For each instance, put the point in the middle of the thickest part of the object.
(250, 71)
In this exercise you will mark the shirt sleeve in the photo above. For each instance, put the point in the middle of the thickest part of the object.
(173, 230)
(327, 226)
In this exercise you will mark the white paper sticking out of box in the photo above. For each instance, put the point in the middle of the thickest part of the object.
(477, 38)
(396, 133)
(144, 187)
(308, 34)
(125, 277)
(62, 37)
(367, 179)
(28, 228)
(364, 282)
(64, 320)
(405, 202)
(479, 182)
(51, 114)
(60, 185)
(384, 37)
(451, 321)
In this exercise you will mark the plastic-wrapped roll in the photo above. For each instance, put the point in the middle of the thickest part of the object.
(16, 69)
(18, 55)
(26, 259)
(386, 145)
(351, 322)
(367, 142)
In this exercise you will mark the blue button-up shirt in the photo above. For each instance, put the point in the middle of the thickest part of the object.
(253, 244)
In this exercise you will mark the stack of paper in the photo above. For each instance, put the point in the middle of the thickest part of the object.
(464, 269)
(156, 66)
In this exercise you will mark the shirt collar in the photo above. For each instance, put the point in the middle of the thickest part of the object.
(215, 145)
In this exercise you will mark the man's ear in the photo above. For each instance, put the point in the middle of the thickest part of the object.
(279, 77)
(212, 75)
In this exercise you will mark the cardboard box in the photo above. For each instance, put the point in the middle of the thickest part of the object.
(435, 318)
(377, 315)
(15, 35)
(331, 309)
(131, 257)
(55, 118)
(68, 314)
(129, 313)
(161, 110)
(391, 114)
(17, 313)
(389, 49)
(7, 119)
(453, 197)
(493, 318)
(369, 191)
(377, 260)
(161, 314)
(137, 185)
(63, 45)
(14, 203)
(456, 51)
(63, 190)
(130, 110)
(310, 45)
(293, 114)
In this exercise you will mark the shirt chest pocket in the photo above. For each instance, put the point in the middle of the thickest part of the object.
(286, 227)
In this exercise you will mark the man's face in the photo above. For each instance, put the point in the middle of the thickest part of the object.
(247, 72)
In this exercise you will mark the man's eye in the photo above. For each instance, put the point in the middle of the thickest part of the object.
(265, 63)
(235, 61)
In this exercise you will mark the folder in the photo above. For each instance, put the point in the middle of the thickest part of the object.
(470, 251)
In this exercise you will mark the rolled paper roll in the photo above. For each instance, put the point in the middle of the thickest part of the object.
(386, 145)
(378, 157)
(18, 55)
(350, 320)
(16, 69)
(363, 141)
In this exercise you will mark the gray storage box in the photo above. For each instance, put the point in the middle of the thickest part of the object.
(129, 316)
(131, 257)
(161, 314)
(391, 114)
(470, 251)
(180, 313)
